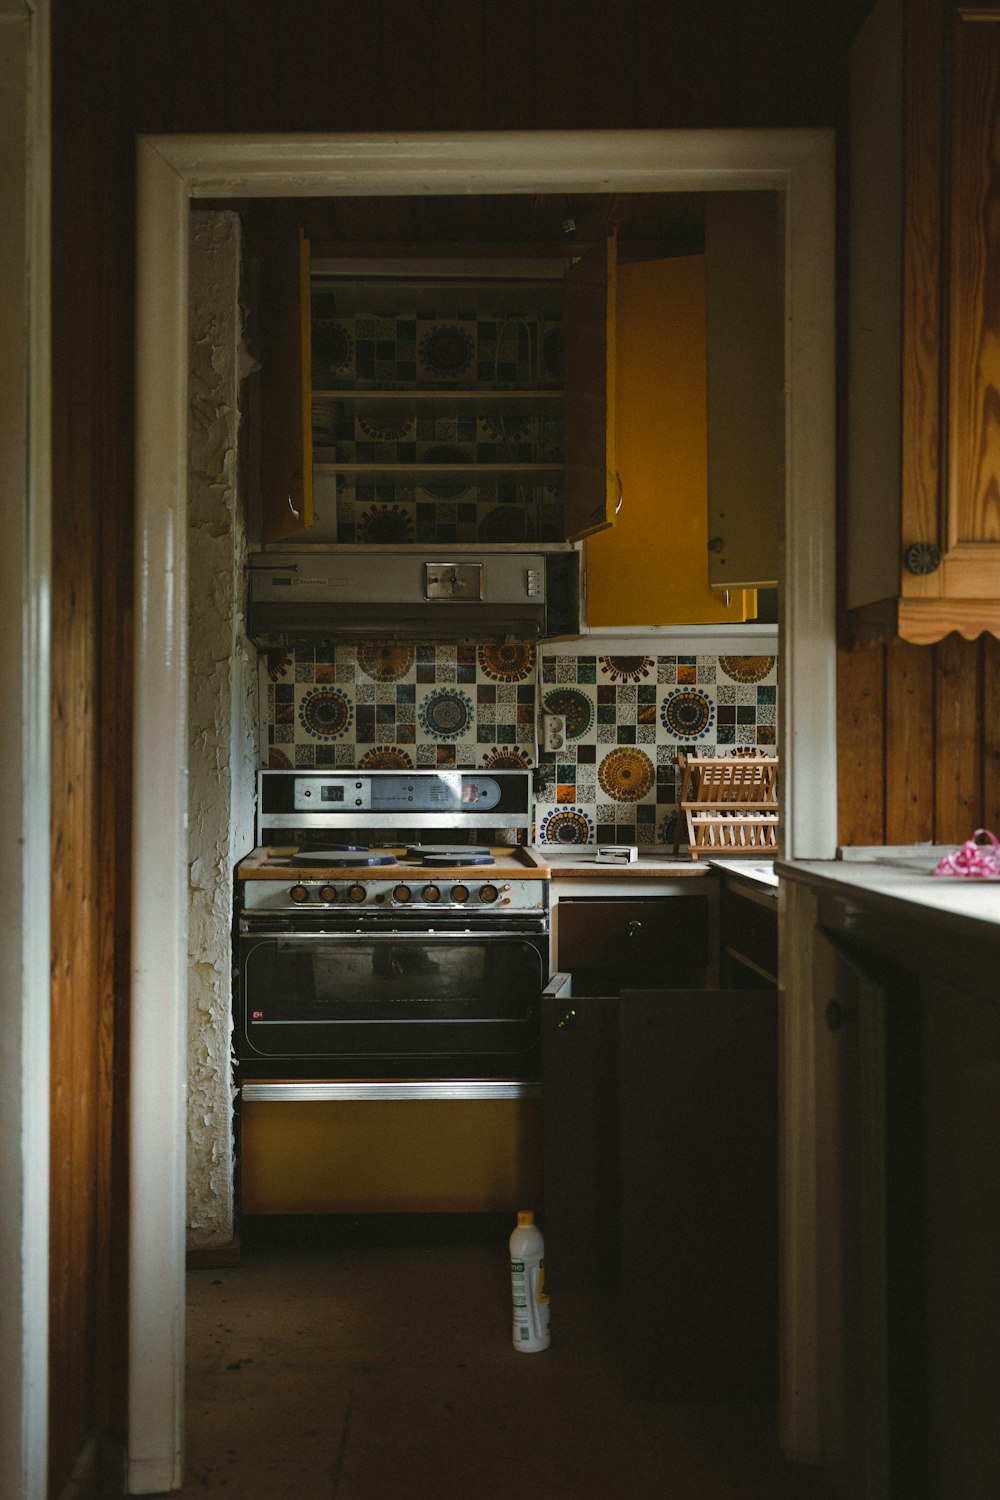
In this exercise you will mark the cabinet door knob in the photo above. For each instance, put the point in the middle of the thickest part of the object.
(923, 558)
(837, 1014)
(633, 929)
(565, 1019)
(716, 544)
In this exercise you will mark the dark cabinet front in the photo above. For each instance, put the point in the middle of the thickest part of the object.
(612, 943)
(661, 1171)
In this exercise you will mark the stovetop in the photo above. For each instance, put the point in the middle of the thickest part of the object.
(394, 862)
(514, 882)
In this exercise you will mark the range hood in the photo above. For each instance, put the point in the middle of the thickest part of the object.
(312, 595)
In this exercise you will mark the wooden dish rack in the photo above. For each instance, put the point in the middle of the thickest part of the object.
(730, 804)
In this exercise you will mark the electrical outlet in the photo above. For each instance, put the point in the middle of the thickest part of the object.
(553, 731)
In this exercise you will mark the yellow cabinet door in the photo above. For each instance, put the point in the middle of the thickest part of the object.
(652, 568)
(286, 465)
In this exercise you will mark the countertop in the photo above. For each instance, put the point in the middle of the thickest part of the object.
(900, 879)
(580, 863)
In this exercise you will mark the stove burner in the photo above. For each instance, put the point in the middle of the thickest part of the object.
(441, 860)
(417, 851)
(335, 858)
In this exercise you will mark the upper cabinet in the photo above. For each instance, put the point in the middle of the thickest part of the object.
(923, 553)
(653, 569)
(459, 400)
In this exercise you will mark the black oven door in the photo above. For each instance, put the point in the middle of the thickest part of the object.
(392, 1003)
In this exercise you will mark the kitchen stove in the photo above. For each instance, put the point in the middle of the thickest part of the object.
(377, 869)
(393, 881)
(392, 948)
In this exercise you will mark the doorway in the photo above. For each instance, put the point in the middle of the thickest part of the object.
(172, 171)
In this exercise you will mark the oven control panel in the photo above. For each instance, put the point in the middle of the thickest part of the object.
(378, 799)
(478, 891)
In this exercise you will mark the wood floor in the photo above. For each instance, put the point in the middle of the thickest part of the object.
(371, 1360)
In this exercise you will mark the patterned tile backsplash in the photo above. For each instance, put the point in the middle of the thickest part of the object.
(391, 704)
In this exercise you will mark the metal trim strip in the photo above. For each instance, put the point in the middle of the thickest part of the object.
(350, 1090)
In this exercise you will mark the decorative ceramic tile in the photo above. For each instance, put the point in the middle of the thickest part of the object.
(578, 707)
(748, 668)
(385, 704)
(626, 669)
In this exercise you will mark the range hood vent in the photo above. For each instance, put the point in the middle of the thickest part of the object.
(303, 597)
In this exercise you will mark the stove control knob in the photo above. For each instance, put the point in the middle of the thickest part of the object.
(298, 894)
(460, 893)
(488, 894)
(356, 893)
(328, 893)
(431, 893)
(401, 893)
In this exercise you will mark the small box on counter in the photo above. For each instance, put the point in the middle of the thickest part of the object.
(617, 854)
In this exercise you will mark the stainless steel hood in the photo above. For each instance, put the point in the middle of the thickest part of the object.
(312, 595)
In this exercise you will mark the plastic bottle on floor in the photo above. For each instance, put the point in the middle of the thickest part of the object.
(527, 1284)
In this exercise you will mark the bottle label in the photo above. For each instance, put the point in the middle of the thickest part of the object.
(530, 1302)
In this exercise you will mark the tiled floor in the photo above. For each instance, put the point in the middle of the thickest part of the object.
(369, 1360)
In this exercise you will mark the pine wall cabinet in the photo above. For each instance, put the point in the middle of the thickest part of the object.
(923, 525)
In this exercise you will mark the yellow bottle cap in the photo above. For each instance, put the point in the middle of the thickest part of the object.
(525, 1216)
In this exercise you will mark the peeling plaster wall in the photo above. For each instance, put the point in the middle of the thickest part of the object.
(223, 713)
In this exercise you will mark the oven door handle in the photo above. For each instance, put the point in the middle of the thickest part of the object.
(288, 1091)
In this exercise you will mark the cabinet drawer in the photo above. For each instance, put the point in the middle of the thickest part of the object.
(633, 941)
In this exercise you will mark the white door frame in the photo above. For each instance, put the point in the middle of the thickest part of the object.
(799, 164)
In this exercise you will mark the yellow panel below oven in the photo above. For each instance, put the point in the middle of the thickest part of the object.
(390, 1156)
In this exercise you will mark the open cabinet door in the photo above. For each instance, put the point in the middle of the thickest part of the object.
(652, 568)
(589, 312)
(286, 501)
(745, 325)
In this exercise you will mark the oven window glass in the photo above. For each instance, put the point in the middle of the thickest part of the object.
(391, 996)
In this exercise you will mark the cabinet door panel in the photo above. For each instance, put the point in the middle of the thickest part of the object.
(923, 550)
(591, 487)
(745, 383)
(973, 481)
(286, 390)
(698, 1138)
(580, 1142)
(652, 567)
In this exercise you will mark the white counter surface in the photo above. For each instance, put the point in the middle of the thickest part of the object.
(902, 879)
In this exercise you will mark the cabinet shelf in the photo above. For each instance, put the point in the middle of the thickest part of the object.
(418, 472)
(495, 392)
(525, 396)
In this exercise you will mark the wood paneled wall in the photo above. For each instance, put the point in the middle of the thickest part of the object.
(919, 753)
(919, 741)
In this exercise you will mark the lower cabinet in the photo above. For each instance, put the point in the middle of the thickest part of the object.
(908, 1223)
(660, 1162)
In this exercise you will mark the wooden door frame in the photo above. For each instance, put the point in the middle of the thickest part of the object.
(25, 569)
(173, 170)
